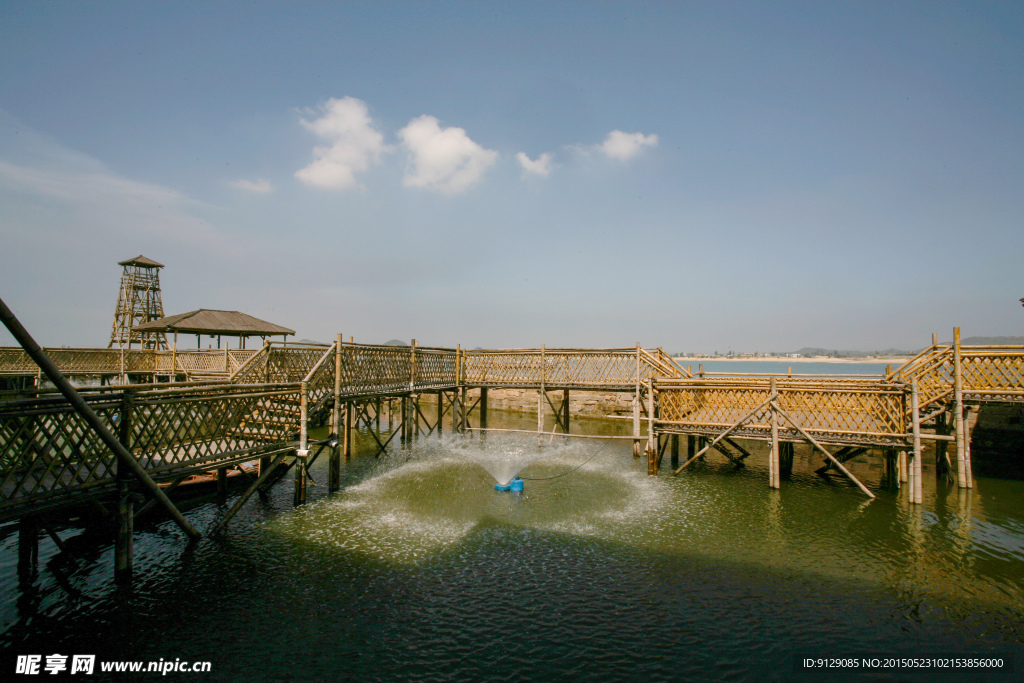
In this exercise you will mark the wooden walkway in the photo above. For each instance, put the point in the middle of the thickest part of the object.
(270, 397)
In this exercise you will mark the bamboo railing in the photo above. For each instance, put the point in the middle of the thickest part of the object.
(49, 456)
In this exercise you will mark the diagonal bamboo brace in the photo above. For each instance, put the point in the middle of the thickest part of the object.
(724, 434)
(90, 416)
(821, 448)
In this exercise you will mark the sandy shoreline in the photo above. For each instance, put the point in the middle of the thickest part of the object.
(894, 360)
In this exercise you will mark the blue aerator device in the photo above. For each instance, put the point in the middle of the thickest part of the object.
(516, 485)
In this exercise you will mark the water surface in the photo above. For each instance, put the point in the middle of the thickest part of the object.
(419, 569)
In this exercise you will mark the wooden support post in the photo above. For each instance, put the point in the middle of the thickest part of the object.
(773, 455)
(652, 443)
(459, 395)
(440, 412)
(412, 416)
(303, 452)
(942, 467)
(334, 459)
(28, 550)
(483, 412)
(889, 473)
(541, 394)
(463, 399)
(123, 555)
(786, 452)
(915, 417)
(636, 407)
(674, 455)
(904, 473)
(963, 466)
(691, 447)
(346, 435)
(222, 483)
(403, 438)
(565, 410)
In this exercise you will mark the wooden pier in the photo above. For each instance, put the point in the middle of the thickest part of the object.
(265, 402)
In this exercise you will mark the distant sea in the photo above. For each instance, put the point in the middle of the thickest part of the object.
(781, 367)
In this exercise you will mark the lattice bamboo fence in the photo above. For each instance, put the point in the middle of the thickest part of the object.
(48, 456)
(842, 412)
(15, 362)
(988, 373)
(570, 368)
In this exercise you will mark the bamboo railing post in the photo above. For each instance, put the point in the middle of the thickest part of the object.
(303, 452)
(636, 406)
(334, 462)
(915, 414)
(962, 462)
(123, 551)
(773, 455)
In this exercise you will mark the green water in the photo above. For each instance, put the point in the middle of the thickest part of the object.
(419, 569)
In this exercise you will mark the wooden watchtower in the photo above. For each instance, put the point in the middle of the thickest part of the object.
(138, 302)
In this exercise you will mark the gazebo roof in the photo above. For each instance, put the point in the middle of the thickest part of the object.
(206, 321)
(141, 260)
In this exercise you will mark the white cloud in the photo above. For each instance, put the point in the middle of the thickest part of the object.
(260, 186)
(623, 146)
(442, 159)
(355, 144)
(540, 166)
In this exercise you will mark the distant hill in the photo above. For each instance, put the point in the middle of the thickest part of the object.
(395, 342)
(835, 353)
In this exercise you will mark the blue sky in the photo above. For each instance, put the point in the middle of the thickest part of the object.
(705, 176)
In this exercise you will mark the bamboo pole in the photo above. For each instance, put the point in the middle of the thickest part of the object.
(636, 406)
(958, 412)
(541, 393)
(123, 551)
(916, 426)
(334, 462)
(652, 444)
(85, 410)
(440, 412)
(346, 441)
(303, 452)
(565, 410)
(773, 454)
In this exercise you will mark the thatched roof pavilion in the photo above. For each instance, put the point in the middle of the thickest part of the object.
(215, 324)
